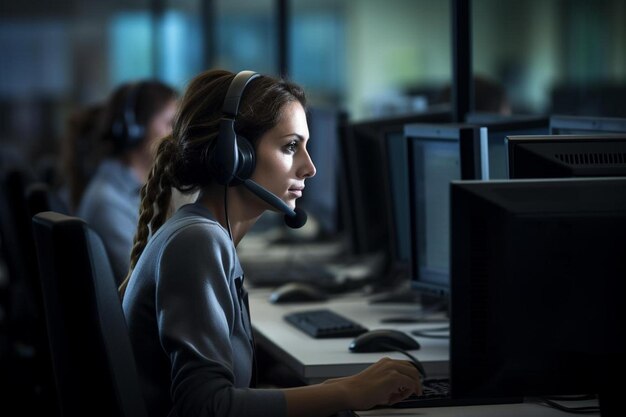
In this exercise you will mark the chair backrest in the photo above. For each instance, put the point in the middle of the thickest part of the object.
(23, 302)
(16, 235)
(93, 361)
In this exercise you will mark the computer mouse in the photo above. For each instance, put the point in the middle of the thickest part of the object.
(383, 340)
(296, 292)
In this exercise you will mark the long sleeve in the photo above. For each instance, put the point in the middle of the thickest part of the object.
(204, 331)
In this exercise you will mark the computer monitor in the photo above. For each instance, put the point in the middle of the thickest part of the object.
(555, 156)
(365, 188)
(438, 154)
(537, 286)
(584, 125)
(481, 118)
(493, 146)
(321, 199)
(397, 174)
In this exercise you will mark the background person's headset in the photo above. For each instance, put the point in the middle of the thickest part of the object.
(233, 159)
(126, 132)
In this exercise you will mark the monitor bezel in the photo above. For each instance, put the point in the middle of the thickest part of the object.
(522, 123)
(560, 124)
(521, 143)
(478, 211)
(468, 138)
(352, 187)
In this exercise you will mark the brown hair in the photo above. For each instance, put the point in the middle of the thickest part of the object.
(181, 159)
(81, 150)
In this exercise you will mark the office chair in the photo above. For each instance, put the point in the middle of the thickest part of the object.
(93, 361)
(27, 366)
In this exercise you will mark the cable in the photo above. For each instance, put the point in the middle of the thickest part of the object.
(416, 362)
(226, 211)
(427, 333)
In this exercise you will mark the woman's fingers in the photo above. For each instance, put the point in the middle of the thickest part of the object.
(409, 369)
(406, 380)
(404, 387)
(386, 382)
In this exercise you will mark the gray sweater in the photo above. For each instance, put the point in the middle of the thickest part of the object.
(189, 323)
(110, 206)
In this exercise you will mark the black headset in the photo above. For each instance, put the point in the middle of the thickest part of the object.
(233, 158)
(125, 130)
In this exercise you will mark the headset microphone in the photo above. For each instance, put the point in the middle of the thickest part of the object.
(293, 218)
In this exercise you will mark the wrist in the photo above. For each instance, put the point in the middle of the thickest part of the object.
(344, 390)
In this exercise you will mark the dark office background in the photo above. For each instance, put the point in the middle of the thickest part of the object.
(368, 57)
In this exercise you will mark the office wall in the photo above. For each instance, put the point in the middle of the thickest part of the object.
(517, 44)
(534, 47)
(369, 57)
(393, 45)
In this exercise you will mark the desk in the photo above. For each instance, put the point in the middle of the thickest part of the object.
(526, 409)
(315, 360)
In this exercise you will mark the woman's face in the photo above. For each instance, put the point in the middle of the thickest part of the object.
(282, 160)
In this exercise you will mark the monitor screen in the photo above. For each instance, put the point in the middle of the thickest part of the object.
(584, 125)
(537, 285)
(438, 154)
(493, 146)
(555, 156)
(365, 179)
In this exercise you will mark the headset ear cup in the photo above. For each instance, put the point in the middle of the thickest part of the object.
(127, 133)
(118, 131)
(247, 159)
(136, 134)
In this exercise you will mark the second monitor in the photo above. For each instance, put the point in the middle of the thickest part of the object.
(554, 156)
(437, 155)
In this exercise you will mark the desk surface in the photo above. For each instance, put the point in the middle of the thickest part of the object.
(526, 409)
(315, 360)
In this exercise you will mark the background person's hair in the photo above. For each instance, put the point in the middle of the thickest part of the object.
(182, 159)
(144, 99)
(81, 150)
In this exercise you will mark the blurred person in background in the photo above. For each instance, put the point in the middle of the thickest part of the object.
(81, 152)
(136, 116)
(489, 96)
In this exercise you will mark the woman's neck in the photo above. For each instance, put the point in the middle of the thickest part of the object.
(240, 216)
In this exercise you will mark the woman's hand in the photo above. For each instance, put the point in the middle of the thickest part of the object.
(383, 383)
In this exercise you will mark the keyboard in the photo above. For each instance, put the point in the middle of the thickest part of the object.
(324, 323)
(435, 392)
(273, 277)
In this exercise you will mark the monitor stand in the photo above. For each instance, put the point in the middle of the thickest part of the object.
(428, 308)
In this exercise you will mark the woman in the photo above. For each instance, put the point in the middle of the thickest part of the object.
(184, 300)
(136, 117)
